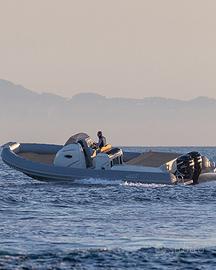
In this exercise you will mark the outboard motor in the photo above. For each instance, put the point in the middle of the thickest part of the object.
(197, 158)
(185, 167)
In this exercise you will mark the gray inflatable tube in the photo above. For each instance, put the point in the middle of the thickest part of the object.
(12, 156)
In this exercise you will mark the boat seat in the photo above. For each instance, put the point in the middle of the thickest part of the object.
(113, 151)
(104, 149)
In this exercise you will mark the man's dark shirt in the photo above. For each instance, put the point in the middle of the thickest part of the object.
(101, 142)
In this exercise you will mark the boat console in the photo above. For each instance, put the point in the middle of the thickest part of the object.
(80, 152)
(105, 161)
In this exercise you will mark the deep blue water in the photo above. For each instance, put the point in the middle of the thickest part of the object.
(111, 225)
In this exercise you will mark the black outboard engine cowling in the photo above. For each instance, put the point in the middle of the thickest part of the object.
(185, 167)
(196, 156)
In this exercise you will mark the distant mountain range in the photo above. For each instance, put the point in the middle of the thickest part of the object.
(29, 116)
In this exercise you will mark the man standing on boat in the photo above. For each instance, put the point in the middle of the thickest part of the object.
(101, 140)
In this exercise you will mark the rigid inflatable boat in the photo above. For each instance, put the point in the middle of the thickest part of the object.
(79, 158)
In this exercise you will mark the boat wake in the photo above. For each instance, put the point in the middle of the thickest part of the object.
(139, 184)
(109, 182)
(98, 181)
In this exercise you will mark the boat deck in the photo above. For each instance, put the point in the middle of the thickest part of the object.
(147, 159)
(152, 159)
(39, 158)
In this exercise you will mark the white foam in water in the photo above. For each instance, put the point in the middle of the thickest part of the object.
(97, 181)
(139, 184)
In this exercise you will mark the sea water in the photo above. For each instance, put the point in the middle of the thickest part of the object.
(96, 224)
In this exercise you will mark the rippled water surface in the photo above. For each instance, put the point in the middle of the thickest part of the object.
(106, 225)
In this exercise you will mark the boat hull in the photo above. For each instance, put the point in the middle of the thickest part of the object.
(12, 156)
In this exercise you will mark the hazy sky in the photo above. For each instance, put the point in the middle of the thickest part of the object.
(130, 48)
